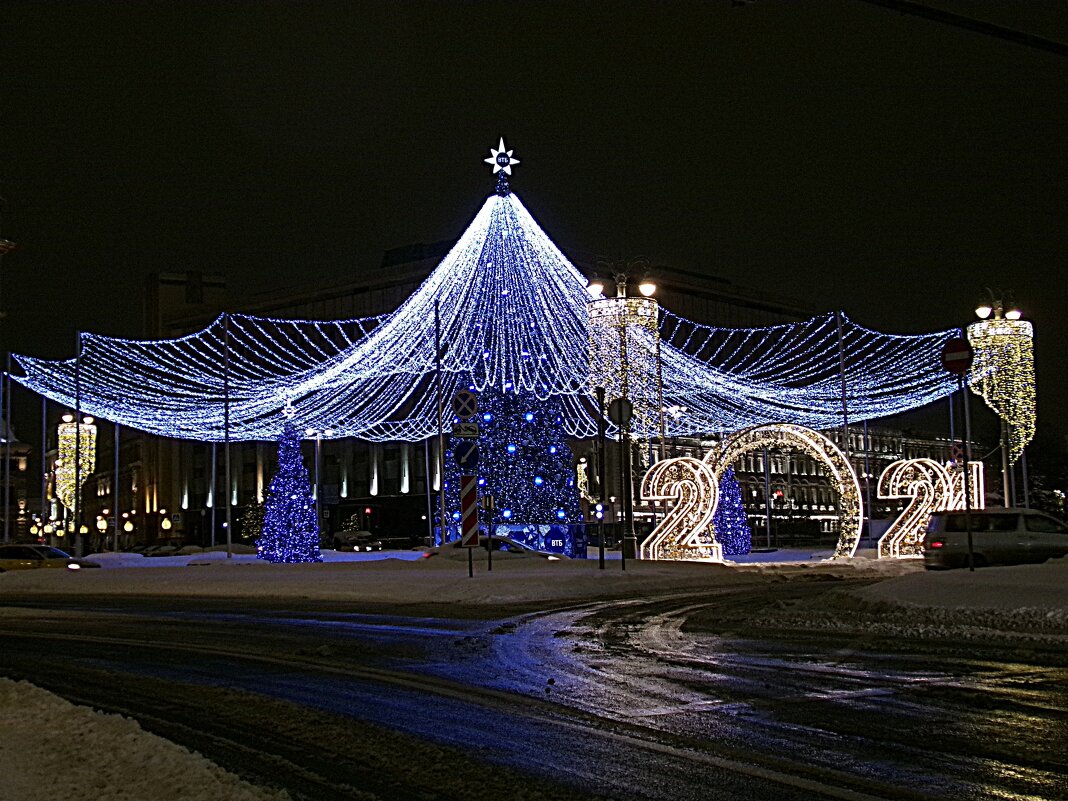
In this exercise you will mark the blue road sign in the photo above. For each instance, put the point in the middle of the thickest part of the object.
(466, 454)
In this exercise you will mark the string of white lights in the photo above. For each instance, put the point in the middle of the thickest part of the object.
(513, 313)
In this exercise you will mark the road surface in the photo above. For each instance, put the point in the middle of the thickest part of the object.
(668, 698)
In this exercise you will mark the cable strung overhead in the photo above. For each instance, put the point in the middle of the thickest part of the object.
(513, 315)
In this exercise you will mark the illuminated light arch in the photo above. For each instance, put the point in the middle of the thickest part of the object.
(686, 530)
(932, 488)
(820, 448)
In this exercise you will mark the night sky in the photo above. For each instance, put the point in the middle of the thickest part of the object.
(836, 152)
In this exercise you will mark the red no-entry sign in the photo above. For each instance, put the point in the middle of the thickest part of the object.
(957, 356)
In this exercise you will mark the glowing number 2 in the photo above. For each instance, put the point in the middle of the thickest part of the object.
(932, 488)
(685, 532)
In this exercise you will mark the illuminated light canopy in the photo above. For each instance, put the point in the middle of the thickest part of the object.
(1003, 375)
(931, 487)
(513, 314)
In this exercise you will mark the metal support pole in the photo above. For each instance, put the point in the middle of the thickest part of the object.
(867, 476)
(5, 432)
(1006, 484)
(214, 488)
(226, 434)
(952, 431)
(318, 485)
(1012, 469)
(624, 440)
(767, 497)
(7, 451)
(78, 447)
(45, 512)
(1026, 489)
(624, 469)
(601, 475)
(115, 491)
(660, 398)
(441, 422)
(967, 470)
(842, 376)
(429, 502)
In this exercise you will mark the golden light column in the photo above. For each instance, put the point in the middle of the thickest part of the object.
(624, 352)
(64, 474)
(1003, 372)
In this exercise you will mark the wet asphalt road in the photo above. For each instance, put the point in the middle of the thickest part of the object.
(642, 700)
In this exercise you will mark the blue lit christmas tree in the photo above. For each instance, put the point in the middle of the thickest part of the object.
(730, 522)
(290, 527)
(526, 466)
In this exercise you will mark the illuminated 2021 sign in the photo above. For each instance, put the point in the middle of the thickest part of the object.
(932, 487)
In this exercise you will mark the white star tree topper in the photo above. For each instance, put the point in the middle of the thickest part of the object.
(501, 159)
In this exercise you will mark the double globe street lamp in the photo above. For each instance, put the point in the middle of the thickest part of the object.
(625, 371)
(1003, 374)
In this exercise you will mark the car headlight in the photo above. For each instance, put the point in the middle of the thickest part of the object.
(73, 566)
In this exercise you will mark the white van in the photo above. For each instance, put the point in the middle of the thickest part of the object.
(999, 537)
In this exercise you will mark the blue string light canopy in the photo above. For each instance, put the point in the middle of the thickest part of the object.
(513, 313)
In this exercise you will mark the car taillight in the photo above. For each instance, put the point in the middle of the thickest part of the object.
(936, 543)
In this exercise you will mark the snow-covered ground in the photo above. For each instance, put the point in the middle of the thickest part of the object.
(406, 577)
(51, 749)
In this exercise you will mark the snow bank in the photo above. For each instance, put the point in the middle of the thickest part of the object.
(51, 749)
(1043, 586)
(438, 580)
(122, 559)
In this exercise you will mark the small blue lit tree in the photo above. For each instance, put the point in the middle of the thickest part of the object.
(731, 522)
(290, 527)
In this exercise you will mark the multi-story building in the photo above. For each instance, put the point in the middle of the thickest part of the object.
(14, 485)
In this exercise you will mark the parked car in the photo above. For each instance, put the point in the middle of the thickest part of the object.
(999, 537)
(33, 557)
(500, 545)
(356, 541)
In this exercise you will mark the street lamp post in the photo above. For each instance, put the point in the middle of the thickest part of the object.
(622, 328)
(319, 434)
